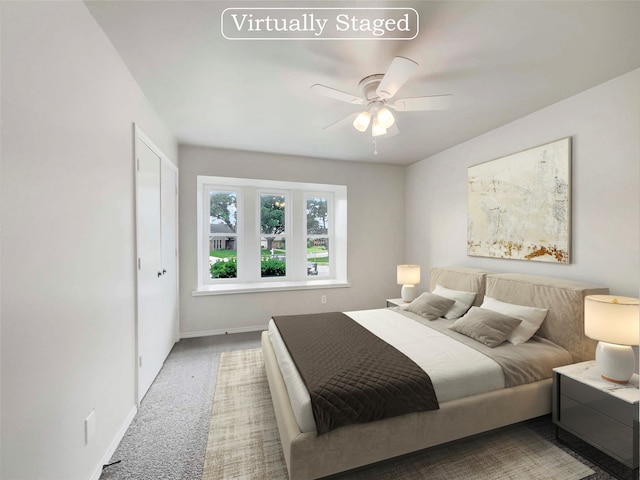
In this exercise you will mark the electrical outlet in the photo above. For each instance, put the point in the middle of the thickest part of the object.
(89, 426)
(323, 299)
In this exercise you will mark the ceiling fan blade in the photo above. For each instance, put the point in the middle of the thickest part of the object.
(416, 104)
(336, 94)
(397, 74)
(348, 120)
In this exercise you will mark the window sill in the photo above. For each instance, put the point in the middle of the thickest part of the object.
(235, 288)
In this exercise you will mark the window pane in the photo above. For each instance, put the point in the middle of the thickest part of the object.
(272, 214)
(222, 234)
(318, 257)
(317, 216)
(273, 257)
(223, 209)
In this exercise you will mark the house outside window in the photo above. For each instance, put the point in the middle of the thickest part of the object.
(256, 235)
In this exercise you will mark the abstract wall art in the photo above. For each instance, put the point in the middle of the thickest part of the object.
(519, 206)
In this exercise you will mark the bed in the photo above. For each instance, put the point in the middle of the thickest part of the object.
(309, 455)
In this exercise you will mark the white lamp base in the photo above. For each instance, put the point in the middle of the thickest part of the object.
(615, 362)
(408, 293)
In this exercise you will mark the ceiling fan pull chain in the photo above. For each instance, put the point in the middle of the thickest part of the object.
(375, 146)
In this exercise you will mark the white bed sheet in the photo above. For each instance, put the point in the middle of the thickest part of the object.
(455, 369)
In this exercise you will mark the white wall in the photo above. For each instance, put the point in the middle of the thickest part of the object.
(375, 195)
(604, 123)
(68, 304)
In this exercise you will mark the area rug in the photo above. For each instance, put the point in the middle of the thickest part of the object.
(243, 441)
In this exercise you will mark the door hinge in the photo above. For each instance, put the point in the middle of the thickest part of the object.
(140, 361)
(138, 263)
(138, 164)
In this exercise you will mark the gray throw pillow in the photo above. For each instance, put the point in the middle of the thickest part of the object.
(486, 326)
(430, 306)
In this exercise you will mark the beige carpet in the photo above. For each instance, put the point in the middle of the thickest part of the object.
(244, 444)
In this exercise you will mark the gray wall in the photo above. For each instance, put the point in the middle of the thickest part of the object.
(375, 195)
(68, 239)
(604, 123)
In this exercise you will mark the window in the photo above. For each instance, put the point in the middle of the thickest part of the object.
(223, 235)
(317, 229)
(256, 235)
(273, 235)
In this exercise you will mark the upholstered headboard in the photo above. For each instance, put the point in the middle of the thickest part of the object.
(564, 323)
(460, 278)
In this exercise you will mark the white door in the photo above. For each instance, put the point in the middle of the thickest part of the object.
(157, 274)
(169, 229)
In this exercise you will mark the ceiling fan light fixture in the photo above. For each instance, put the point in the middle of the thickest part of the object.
(362, 121)
(377, 92)
(385, 118)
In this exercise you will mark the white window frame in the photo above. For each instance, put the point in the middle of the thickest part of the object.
(248, 235)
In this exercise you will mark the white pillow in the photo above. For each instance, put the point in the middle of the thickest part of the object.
(463, 300)
(531, 317)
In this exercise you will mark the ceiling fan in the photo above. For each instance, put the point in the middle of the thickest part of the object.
(376, 92)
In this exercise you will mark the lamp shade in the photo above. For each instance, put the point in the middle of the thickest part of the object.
(408, 274)
(362, 121)
(385, 117)
(612, 319)
(376, 128)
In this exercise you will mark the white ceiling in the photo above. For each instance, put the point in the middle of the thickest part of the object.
(501, 60)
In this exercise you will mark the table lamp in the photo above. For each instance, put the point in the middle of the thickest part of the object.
(408, 277)
(613, 321)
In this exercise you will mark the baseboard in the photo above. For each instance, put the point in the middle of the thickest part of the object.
(114, 444)
(206, 333)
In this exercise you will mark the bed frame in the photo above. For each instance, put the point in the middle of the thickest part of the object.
(310, 456)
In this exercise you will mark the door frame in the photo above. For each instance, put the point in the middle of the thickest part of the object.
(139, 134)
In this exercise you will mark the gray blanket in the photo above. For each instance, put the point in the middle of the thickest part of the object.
(352, 375)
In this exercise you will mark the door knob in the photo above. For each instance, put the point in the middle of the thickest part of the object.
(159, 274)
(164, 271)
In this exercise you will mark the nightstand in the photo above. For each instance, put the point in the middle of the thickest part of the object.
(601, 413)
(395, 302)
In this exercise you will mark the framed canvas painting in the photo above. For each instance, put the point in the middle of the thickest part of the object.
(519, 206)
